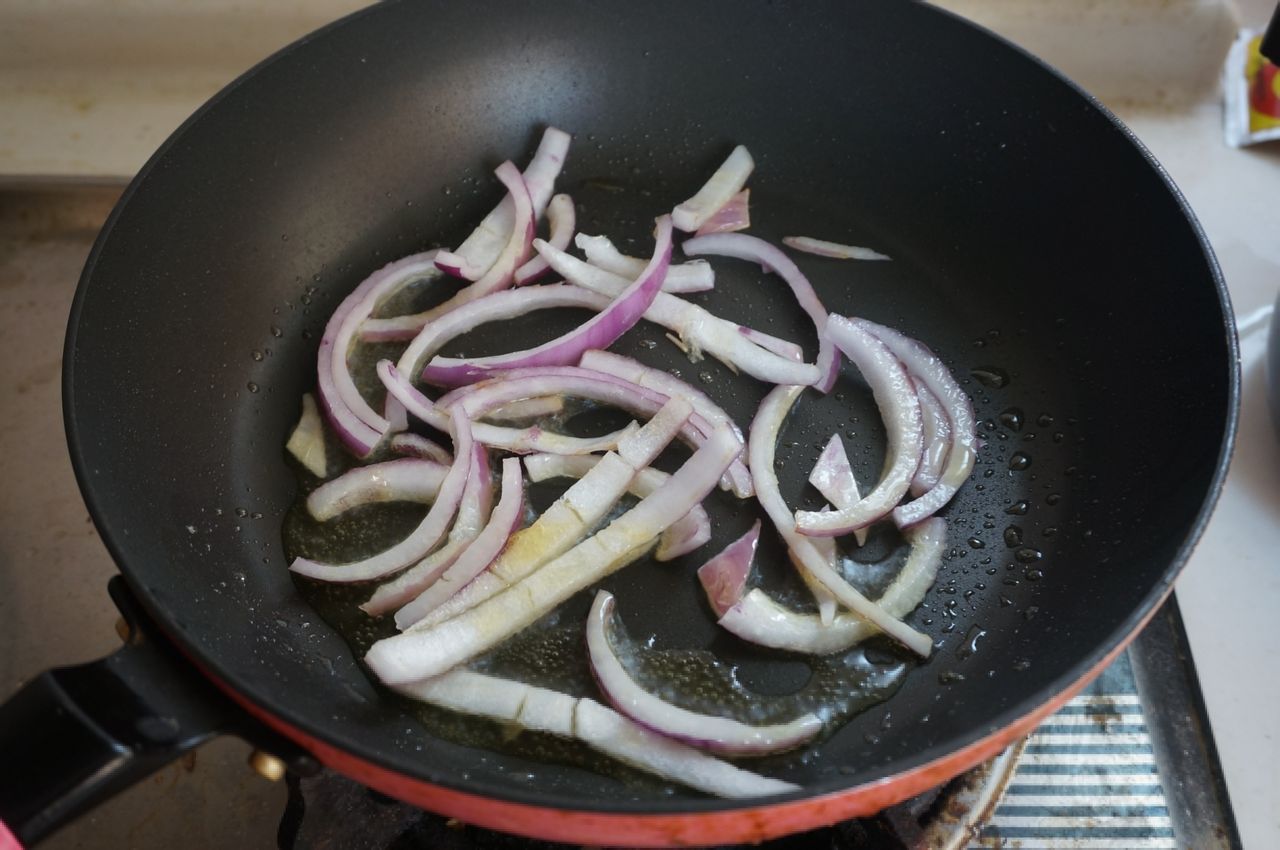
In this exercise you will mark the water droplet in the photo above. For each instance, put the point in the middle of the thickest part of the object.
(1005, 601)
(1018, 508)
(1019, 461)
(1021, 664)
(1053, 498)
(990, 376)
(276, 332)
(971, 639)
(1028, 555)
(1012, 418)
(648, 343)
(1049, 532)
(241, 512)
(975, 543)
(253, 388)
(257, 355)
(1013, 536)
(1034, 575)
(1044, 420)
(950, 678)
(706, 377)
(1031, 612)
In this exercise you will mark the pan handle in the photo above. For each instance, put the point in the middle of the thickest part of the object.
(74, 736)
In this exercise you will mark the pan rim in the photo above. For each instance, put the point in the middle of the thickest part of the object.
(96, 500)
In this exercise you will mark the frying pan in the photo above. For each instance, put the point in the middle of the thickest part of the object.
(1038, 248)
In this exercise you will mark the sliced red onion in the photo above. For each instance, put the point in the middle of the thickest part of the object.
(693, 276)
(415, 655)
(724, 577)
(762, 446)
(358, 425)
(495, 307)
(937, 441)
(688, 534)
(422, 539)
(480, 554)
(592, 385)
(896, 397)
(481, 249)
(756, 617)
(473, 513)
(705, 731)
(832, 249)
(756, 250)
(527, 408)
(518, 440)
(669, 385)
(395, 414)
(699, 329)
(603, 729)
(782, 347)
(497, 277)
(926, 366)
(609, 732)
(832, 476)
(572, 515)
(415, 445)
(401, 480)
(600, 331)
(561, 221)
(306, 443)
(728, 180)
(734, 215)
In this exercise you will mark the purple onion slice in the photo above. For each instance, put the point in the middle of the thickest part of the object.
(832, 476)
(561, 222)
(415, 445)
(724, 577)
(693, 276)
(895, 395)
(600, 331)
(937, 441)
(401, 480)
(726, 182)
(705, 731)
(734, 215)
(835, 250)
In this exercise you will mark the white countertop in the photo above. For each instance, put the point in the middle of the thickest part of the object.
(80, 123)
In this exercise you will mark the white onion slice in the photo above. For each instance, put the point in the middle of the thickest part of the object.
(727, 181)
(401, 480)
(482, 551)
(473, 513)
(705, 731)
(543, 710)
(835, 250)
(518, 440)
(415, 445)
(496, 278)
(937, 441)
(495, 307)
(693, 276)
(600, 331)
(592, 385)
(561, 222)
(306, 443)
(415, 655)
(357, 424)
(478, 251)
(895, 395)
(756, 617)
(422, 539)
(734, 215)
(762, 446)
(756, 250)
(700, 329)
(688, 533)
(527, 408)
(572, 515)
(832, 476)
(782, 347)
(926, 367)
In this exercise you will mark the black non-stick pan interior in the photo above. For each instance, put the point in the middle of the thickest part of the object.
(1035, 247)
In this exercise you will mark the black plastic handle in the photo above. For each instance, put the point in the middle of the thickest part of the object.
(1270, 47)
(75, 736)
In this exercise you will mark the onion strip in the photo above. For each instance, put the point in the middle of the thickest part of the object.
(401, 480)
(726, 182)
(693, 276)
(561, 222)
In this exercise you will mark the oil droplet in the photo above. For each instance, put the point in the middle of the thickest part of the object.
(1028, 555)
(241, 512)
(1049, 532)
(1031, 612)
(975, 543)
(1019, 461)
(253, 388)
(1034, 575)
(276, 332)
(1005, 601)
(1053, 498)
(648, 343)
(1013, 536)
(950, 677)
(1012, 418)
(990, 376)
(1018, 508)
(1044, 420)
(1021, 664)
(971, 639)
(706, 377)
